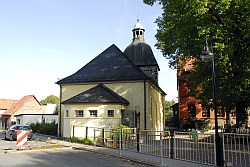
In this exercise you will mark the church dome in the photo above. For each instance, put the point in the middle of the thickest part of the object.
(138, 25)
(140, 54)
(138, 51)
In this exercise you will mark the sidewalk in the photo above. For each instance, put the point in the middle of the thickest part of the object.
(134, 156)
(150, 160)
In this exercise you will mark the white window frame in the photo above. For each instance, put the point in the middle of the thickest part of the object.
(93, 113)
(111, 113)
(77, 112)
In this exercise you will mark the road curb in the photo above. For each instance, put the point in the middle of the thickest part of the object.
(116, 156)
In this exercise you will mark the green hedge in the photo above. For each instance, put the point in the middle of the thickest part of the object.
(45, 128)
(78, 140)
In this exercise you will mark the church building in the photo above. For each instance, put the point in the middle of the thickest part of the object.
(115, 88)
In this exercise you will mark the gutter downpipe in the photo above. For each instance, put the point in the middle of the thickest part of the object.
(145, 106)
(60, 115)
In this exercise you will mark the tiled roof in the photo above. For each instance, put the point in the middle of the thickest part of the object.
(6, 103)
(19, 104)
(111, 65)
(97, 94)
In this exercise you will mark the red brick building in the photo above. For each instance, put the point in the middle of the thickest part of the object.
(188, 106)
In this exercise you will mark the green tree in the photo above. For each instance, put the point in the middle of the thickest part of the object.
(169, 111)
(52, 99)
(182, 30)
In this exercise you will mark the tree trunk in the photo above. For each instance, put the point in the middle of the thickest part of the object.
(241, 114)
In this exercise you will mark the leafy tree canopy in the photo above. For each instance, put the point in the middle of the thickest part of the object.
(182, 30)
(52, 99)
(168, 110)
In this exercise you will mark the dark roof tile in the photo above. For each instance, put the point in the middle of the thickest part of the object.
(111, 65)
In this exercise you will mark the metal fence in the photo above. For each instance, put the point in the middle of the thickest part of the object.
(82, 131)
(188, 146)
(236, 149)
(194, 147)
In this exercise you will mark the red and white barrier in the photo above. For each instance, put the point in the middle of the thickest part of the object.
(21, 138)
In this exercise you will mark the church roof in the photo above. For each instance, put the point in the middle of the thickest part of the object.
(141, 54)
(111, 65)
(97, 94)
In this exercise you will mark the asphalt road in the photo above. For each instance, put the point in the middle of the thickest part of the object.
(60, 157)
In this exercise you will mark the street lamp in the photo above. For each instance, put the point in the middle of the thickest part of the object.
(207, 56)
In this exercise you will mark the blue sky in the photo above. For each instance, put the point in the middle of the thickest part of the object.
(43, 40)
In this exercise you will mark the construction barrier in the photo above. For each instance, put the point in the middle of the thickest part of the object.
(21, 139)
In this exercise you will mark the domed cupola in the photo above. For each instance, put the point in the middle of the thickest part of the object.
(141, 53)
(138, 32)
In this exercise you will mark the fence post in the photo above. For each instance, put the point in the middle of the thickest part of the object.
(103, 139)
(171, 144)
(121, 131)
(221, 148)
(138, 140)
(94, 139)
(86, 132)
(120, 142)
(161, 149)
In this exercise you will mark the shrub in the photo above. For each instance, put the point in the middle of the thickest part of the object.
(78, 140)
(126, 132)
(45, 128)
(199, 124)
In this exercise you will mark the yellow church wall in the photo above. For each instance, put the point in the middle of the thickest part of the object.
(132, 91)
(80, 123)
(69, 91)
(155, 111)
